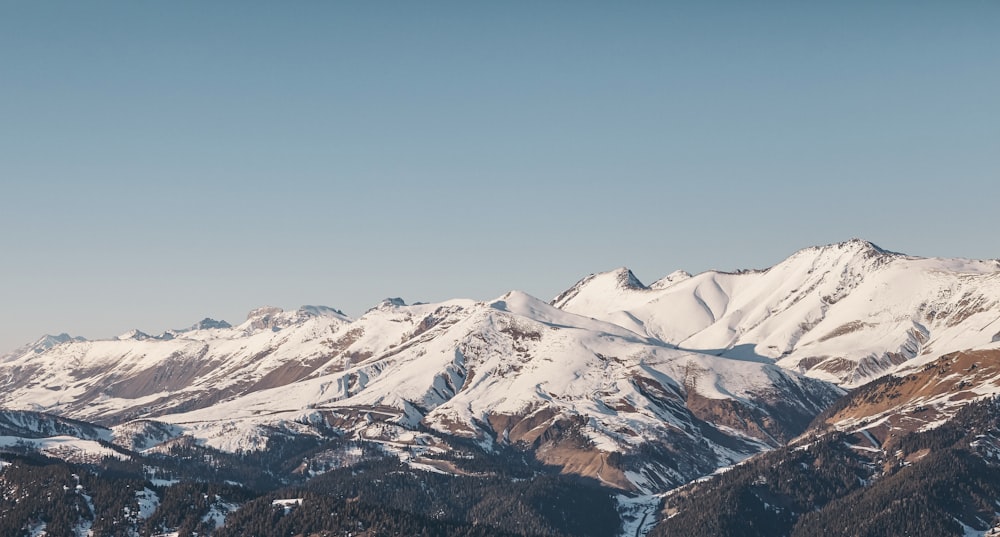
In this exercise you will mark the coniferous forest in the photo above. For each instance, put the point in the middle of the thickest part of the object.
(935, 483)
(939, 482)
(195, 488)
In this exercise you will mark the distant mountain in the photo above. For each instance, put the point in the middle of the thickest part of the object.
(639, 389)
(43, 344)
(137, 375)
(209, 324)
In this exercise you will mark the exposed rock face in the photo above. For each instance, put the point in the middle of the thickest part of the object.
(922, 396)
(265, 318)
(210, 324)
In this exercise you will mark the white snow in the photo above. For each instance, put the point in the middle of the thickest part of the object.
(639, 513)
(148, 502)
(624, 357)
(218, 512)
(83, 528)
(850, 301)
(66, 447)
(515, 355)
(287, 503)
(969, 531)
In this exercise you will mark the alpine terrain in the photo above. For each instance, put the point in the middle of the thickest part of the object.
(846, 384)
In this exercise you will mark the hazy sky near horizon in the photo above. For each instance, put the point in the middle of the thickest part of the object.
(165, 161)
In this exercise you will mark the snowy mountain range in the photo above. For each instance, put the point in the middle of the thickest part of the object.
(513, 370)
(845, 313)
(643, 388)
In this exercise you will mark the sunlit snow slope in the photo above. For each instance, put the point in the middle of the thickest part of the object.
(589, 396)
(641, 387)
(846, 312)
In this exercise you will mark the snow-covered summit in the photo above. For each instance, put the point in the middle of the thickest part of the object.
(388, 304)
(845, 312)
(40, 345)
(48, 341)
(853, 246)
(321, 311)
(134, 334)
(670, 279)
(612, 282)
(274, 318)
(209, 324)
(855, 254)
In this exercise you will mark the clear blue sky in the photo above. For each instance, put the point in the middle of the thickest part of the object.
(165, 161)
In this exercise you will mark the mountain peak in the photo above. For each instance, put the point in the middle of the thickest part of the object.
(135, 334)
(862, 243)
(263, 312)
(275, 319)
(265, 317)
(850, 252)
(395, 302)
(320, 311)
(857, 246)
(49, 340)
(670, 279)
(516, 301)
(40, 345)
(627, 280)
(620, 279)
(209, 324)
(388, 304)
